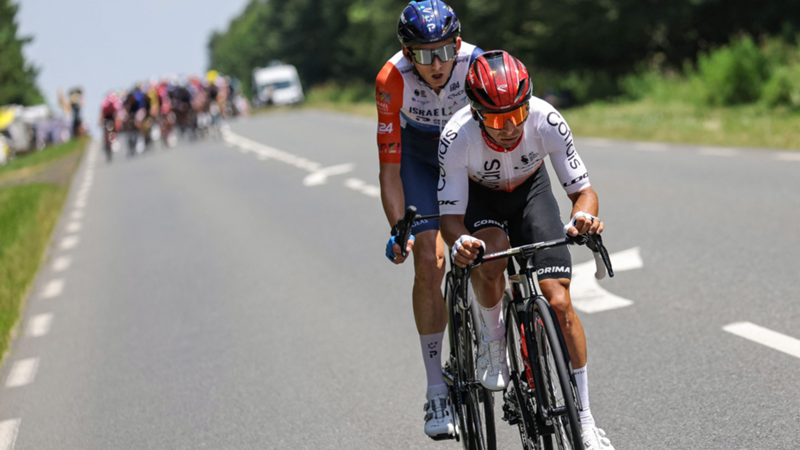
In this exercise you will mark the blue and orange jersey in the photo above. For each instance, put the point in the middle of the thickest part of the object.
(404, 100)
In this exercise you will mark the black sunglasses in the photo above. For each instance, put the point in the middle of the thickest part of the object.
(425, 56)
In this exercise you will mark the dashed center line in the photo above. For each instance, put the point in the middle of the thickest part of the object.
(765, 336)
(74, 227)
(53, 289)
(70, 242)
(360, 186)
(39, 325)
(8, 433)
(22, 372)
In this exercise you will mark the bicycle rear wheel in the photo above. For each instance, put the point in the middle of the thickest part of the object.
(559, 390)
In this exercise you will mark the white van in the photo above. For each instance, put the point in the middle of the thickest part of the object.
(276, 85)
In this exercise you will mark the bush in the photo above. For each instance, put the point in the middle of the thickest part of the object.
(734, 74)
(783, 88)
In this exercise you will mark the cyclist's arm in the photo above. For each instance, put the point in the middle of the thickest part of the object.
(560, 145)
(388, 99)
(453, 182)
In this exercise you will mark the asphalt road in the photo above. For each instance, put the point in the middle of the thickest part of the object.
(215, 296)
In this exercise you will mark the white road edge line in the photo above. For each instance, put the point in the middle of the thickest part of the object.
(73, 227)
(39, 325)
(77, 214)
(22, 372)
(70, 242)
(787, 156)
(8, 433)
(62, 263)
(765, 336)
(53, 289)
(718, 151)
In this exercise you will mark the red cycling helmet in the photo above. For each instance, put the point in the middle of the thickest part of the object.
(497, 85)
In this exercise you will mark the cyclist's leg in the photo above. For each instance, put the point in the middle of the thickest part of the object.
(542, 221)
(420, 176)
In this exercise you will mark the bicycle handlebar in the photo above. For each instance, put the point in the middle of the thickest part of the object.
(594, 242)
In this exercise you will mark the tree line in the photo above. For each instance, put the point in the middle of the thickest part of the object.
(17, 77)
(583, 45)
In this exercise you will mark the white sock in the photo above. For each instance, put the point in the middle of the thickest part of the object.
(583, 390)
(432, 356)
(493, 328)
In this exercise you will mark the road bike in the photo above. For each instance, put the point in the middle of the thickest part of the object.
(473, 404)
(542, 398)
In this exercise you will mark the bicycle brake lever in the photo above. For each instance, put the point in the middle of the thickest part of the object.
(604, 254)
(408, 220)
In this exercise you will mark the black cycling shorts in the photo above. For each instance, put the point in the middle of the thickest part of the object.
(532, 215)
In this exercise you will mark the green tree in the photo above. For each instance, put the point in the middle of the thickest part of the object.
(17, 78)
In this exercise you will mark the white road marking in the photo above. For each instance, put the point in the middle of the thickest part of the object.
(788, 156)
(764, 336)
(596, 142)
(651, 146)
(53, 289)
(321, 175)
(73, 227)
(62, 263)
(587, 294)
(77, 215)
(69, 242)
(80, 203)
(22, 372)
(8, 433)
(718, 151)
(360, 186)
(39, 325)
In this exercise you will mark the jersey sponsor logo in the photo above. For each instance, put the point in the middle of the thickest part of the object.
(490, 176)
(384, 128)
(444, 143)
(554, 269)
(448, 202)
(392, 147)
(563, 130)
(442, 177)
(383, 97)
(570, 183)
(456, 94)
(428, 112)
(483, 222)
(454, 86)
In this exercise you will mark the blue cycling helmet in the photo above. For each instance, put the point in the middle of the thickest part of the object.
(426, 22)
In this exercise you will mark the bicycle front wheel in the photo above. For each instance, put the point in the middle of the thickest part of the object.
(476, 421)
(560, 393)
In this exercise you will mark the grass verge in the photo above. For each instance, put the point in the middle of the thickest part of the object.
(27, 165)
(28, 214)
(747, 126)
(645, 120)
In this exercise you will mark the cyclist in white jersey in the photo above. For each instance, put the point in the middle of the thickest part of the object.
(491, 172)
(418, 90)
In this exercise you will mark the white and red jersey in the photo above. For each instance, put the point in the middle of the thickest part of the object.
(404, 100)
(465, 152)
